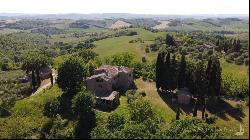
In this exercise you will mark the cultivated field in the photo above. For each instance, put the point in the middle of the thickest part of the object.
(119, 24)
(163, 24)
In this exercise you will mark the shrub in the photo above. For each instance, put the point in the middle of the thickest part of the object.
(147, 50)
(46, 127)
(61, 129)
(51, 108)
(142, 93)
(143, 59)
(4, 112)
(122, 59)
(210, 120)
(130, 94)
(101, 132)
(239, 60)
(246, 61)
(7, 66)
(115, 122)
(229, 58)
(193, 129)
(140, 110)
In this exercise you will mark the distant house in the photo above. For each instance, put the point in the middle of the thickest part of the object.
(44, 73)
(24, 79)
(108, 79)
(206, 46)
(183, 96)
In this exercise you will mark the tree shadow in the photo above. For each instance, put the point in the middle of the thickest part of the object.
(187, 109)
(167, 98)
(4, 113)
(221, 108)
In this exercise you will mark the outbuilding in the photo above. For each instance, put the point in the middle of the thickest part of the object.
(183, 96)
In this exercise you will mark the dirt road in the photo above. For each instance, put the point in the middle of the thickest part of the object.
(45, 84)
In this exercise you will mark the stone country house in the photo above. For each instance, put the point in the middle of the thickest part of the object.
(106, 81)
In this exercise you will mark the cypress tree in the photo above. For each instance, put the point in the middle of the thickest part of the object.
(182, 71)
(178, 114)
(214, 86)
(33, 80)
(208, 73)
(166, 73)
(51, 79)
(200, 80)
(172, 75)
(159, 70)
(195, 109)
(38, 79)
(170, 40)
(204, 108)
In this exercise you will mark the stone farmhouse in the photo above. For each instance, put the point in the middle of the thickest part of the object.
(106, 81)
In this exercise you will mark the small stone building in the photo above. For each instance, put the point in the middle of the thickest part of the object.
(183, 96)
(108, 79)
(45, 72)
(107, 99)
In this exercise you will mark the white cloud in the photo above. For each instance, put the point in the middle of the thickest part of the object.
(126, 6)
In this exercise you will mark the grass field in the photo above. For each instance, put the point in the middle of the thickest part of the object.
(59, 60)
(90, 30)
(239, 71)
(8, 31)
(27, 117)
(111, 46)
(11, 75)
(166, 110)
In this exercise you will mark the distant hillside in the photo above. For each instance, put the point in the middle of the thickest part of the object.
(119, 24)
(114, 16)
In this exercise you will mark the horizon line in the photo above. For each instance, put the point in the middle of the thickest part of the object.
(112, 13)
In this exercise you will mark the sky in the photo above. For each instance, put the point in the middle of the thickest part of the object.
(168, 7)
